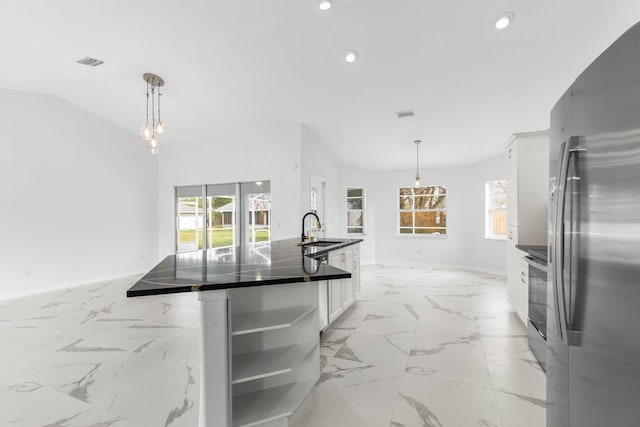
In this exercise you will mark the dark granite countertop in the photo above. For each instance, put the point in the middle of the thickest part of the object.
(527, 248)
(256, 264)
(537, 251)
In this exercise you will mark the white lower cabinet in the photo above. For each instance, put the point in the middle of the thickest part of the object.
(349, 284)
(512, 264)
(336, 300)
(355, 274)
(522, 304)
(517, 276)
(342, 293)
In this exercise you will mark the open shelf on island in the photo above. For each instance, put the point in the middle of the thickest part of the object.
(248, 323)
(262, 406)
(267, 363)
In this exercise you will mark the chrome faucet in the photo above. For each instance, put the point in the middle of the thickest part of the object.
(303, 237)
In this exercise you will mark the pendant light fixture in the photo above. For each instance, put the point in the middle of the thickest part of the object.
(417, 181)
(149, 130)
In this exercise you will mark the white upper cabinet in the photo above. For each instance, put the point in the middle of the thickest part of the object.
(527, 205)
(512, 184)
(527, 177)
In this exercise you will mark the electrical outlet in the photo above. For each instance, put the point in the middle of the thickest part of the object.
(26, 272)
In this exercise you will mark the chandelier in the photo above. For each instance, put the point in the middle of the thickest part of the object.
(149, 130)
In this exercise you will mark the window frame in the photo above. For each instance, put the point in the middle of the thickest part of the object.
(489, 209)
(413, 211)
(363, 210)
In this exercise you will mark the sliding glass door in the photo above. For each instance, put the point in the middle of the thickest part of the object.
(222, 215)
(256, 202)
(189, 218)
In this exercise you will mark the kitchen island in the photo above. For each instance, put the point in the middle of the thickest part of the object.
(259, 318)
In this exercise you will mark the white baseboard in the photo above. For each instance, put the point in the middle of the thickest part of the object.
(447, 266)
(487, 270)
(61, 286)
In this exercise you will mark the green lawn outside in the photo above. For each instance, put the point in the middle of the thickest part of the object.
(262, 236)
(218, 237)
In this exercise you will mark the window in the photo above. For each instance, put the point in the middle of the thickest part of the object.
(423, 210)
(231, 213)
(355, 210)
(189, 218)
(221, 215)
(257, 201)
(496, 208)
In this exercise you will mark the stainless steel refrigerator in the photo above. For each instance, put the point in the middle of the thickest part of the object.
(593, 312)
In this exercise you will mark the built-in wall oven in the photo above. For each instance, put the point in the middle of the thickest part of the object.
(537, 322)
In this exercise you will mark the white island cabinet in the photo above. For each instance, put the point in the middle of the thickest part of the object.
(260, 353)
(342, 293)
(274, 351)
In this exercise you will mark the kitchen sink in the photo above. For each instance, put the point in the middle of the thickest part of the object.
(321, 243)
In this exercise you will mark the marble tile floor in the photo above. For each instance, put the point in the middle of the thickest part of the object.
(428, 347)
(421, 347)
(89, 356)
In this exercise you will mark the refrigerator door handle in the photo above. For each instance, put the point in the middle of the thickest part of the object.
(574, 335)
(569, 334)
(556, 271)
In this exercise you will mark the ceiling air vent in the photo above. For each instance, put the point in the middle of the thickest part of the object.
(403, 114)
(92, 62)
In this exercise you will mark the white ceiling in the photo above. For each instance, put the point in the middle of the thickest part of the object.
(232, 63)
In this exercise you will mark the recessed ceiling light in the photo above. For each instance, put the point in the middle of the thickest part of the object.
(325, 4)
(351, 56)
(504, 20)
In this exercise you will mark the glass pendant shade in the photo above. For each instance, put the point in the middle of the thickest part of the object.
(146, 133)
(154, 125)
(416, 183)
(153, 144)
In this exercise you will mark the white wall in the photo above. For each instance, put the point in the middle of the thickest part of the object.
(456, 249)
(353, 177)
(258, 153)
(84, 200)
(317, 161)
(78, 197)
(464, 245)
(490, 255)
